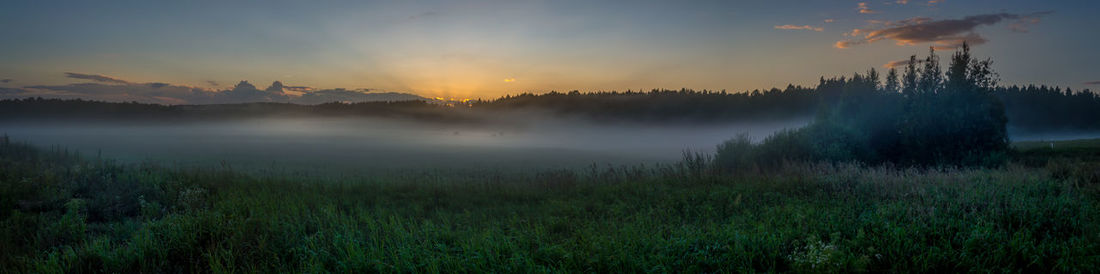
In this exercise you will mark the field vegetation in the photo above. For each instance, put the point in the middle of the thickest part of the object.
(62, 212)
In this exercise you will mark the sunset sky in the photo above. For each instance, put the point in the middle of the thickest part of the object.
(485, 49)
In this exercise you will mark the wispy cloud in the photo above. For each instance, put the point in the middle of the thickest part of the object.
(864, 9)
(6, 81)
(344, 95)
(212, 83)
(1022, 24)
(298, 88)
(829, 20)
(948, 33)
(1092, 83)
(95, 77)
(803, 27)
(902, 2)
(899, 63)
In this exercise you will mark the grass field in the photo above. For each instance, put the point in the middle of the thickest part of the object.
(62, 212)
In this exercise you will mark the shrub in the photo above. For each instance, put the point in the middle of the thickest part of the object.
(735, 154)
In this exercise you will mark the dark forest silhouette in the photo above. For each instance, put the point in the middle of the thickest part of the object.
(1032, 108)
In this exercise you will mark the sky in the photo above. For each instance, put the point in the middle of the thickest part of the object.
(194, 51)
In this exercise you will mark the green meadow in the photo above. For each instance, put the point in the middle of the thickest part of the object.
(61, 211)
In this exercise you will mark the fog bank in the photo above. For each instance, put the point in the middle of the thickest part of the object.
(364, 145)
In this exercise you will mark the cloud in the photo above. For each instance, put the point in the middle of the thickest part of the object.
(279, 87)
(350, 96)
(509, 80)
(1092, 83)
(903, 22)
(933, 2)
(902, 2)
(863, 9)
(297, 88)
(899, 63)
(942, 33)
(1022, 24)
(5, 81)
(276, 87)
(212, 83)
(112, 89)
(95, 77)
(950, 43)
(245, 92)
(829, 20)
(131, 89)
(804, 27)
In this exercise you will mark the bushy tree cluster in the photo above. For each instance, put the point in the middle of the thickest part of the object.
(956, 119)
(928, 117)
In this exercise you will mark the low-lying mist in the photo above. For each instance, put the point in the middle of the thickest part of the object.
(364, 145)
(1020, 135)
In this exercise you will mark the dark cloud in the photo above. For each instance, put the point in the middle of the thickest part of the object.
(245, 92)
(244, 86)
(275, 87)
(941, 33)
(6, 81)
(279, 87)
(212, 83)
(1092, 83)
(95, 77)
(158, 85)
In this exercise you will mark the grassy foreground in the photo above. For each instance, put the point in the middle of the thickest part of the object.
(60, 212)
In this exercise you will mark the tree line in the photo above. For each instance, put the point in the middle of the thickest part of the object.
(1028, 108)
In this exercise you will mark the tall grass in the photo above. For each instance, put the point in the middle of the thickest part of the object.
(63, 213)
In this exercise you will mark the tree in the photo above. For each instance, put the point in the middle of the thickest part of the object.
(957, 72)
(957, 120)
(931, 77)
(873, 79)
(892, 85)
(909, 79)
